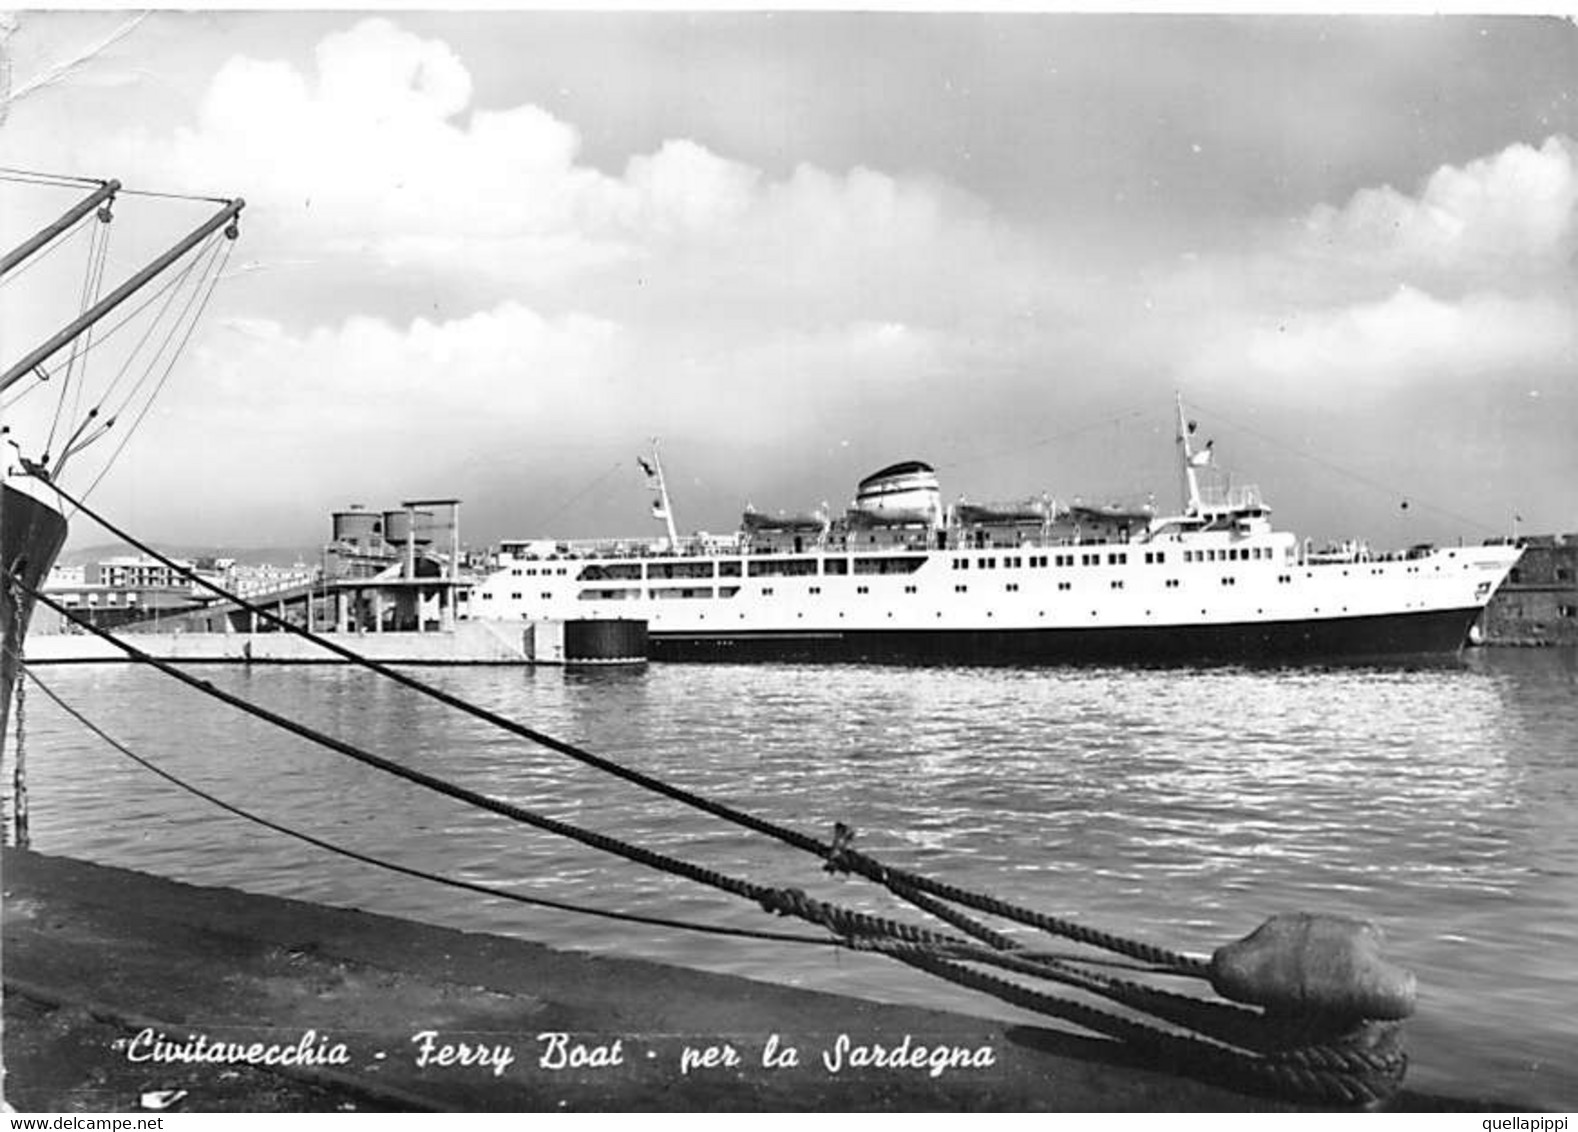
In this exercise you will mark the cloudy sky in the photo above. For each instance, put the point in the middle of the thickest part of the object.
(491, 255)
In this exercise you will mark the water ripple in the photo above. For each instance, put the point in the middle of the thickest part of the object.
(1181, 806)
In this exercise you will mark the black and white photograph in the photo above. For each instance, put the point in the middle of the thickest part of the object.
(788, 560)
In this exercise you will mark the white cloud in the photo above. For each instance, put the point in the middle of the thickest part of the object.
(506, 362)
(684, 189)
(362, 68)
(1408, 340)
(1470, 280)
(282, 422)
(379, 154)
(1513, 212)
(685, 293)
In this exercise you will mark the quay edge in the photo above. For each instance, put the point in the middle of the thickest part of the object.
(93, 954)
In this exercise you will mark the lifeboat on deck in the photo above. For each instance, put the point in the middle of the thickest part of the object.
(754, 522)
(1002, 514)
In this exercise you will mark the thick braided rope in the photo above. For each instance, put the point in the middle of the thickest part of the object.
(1223, 1021)
(1290, 1045)
(785, 901)
(1323, 1075)
(1307, 1070)
(841, 857)
(965, 923)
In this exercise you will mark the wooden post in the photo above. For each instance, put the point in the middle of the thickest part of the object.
(19, 781)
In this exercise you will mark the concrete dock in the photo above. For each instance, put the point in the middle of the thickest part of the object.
(112, 977)
(469, 642)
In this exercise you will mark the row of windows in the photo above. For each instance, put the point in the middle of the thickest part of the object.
(1036, 561)
(772, 567)
(1152, 558)
(767, 591)
(894, 564)
(730, 591)
(1229, 554)
(1566, 611)
(1563, 574)
(112, 598)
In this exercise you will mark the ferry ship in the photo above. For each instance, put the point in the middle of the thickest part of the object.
(899, 577)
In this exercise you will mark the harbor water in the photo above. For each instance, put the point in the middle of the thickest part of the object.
(1182, 806)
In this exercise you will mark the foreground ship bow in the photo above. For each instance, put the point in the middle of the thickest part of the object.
(902, 578)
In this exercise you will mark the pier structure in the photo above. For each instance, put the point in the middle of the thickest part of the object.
(397, 581)
(382, 572)
(390, 571)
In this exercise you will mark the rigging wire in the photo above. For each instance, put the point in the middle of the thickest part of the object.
(406, 870)
(1077, 430)
(53, 180)
(1115, 421)
(16, 398)
(93, 279)
(64, 181)
(46, 251)
(82, 345)
(582, 494)
(1387, 489)
(175, 196)
(169, 368)
(210, 250)
(206, 252)
(153, 297)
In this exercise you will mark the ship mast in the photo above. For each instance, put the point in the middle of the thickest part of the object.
(1186, 464)
(660, 506)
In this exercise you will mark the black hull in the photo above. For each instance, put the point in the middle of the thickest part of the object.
(31, 534)
(1275, 642)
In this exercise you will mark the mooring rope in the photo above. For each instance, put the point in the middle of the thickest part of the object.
(407, 870)
(784, 901)
(839, 855)
(1367, 1068)
(1350, 1061)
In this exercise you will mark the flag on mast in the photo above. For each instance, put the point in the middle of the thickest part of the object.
(1202, 458)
